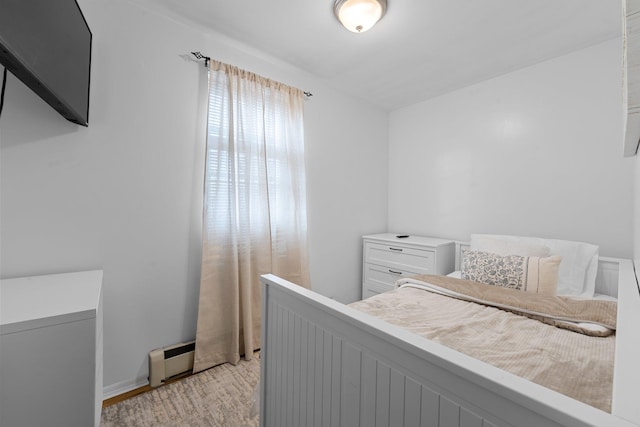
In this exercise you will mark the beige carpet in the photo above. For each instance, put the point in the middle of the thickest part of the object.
(220, 396)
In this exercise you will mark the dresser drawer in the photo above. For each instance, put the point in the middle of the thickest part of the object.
(400, 258)
(381, 279)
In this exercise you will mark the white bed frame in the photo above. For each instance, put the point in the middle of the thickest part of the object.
(326, 364)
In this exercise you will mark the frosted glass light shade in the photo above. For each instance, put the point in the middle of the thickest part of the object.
(359, 15)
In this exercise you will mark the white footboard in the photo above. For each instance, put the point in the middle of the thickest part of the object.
(626, 380)
(325, 364)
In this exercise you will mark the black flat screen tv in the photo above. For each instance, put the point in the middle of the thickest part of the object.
(47, 45)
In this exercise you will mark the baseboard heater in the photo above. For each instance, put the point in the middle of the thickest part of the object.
(170, 362)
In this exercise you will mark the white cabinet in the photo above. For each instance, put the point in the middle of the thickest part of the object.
(51, 350)
(386, 258)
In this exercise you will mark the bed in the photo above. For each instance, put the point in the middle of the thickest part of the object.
(325, 364)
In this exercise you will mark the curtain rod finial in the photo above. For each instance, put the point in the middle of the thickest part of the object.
(199, 55)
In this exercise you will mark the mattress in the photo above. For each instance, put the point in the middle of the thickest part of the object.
(574, 364)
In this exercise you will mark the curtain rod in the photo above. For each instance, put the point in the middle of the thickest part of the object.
(199, 55)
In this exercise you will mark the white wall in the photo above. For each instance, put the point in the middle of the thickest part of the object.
(124, 194)
(636, 216)
(535, 152)
(347, 189)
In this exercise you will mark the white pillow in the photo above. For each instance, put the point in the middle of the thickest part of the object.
(579, 266)
(502, 247)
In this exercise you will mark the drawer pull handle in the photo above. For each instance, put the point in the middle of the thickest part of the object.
(395, 249)
(395, 272)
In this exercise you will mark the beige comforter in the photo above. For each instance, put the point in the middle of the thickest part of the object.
(575, 364)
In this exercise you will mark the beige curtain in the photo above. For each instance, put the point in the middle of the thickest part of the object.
(255, 218)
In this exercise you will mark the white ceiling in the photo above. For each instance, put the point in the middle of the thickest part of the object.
(420, 49)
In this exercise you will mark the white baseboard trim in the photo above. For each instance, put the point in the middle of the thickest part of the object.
(116, 389)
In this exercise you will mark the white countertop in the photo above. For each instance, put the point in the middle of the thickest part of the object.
(39, 301)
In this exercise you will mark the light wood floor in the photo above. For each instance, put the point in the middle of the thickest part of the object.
(140, 390)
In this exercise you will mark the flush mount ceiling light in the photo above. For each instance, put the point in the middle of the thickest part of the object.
(359, 15)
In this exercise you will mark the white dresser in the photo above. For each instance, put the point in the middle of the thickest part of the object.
(51, 350)
(386, 258)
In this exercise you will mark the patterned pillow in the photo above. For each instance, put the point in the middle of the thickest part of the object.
(523, 273)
